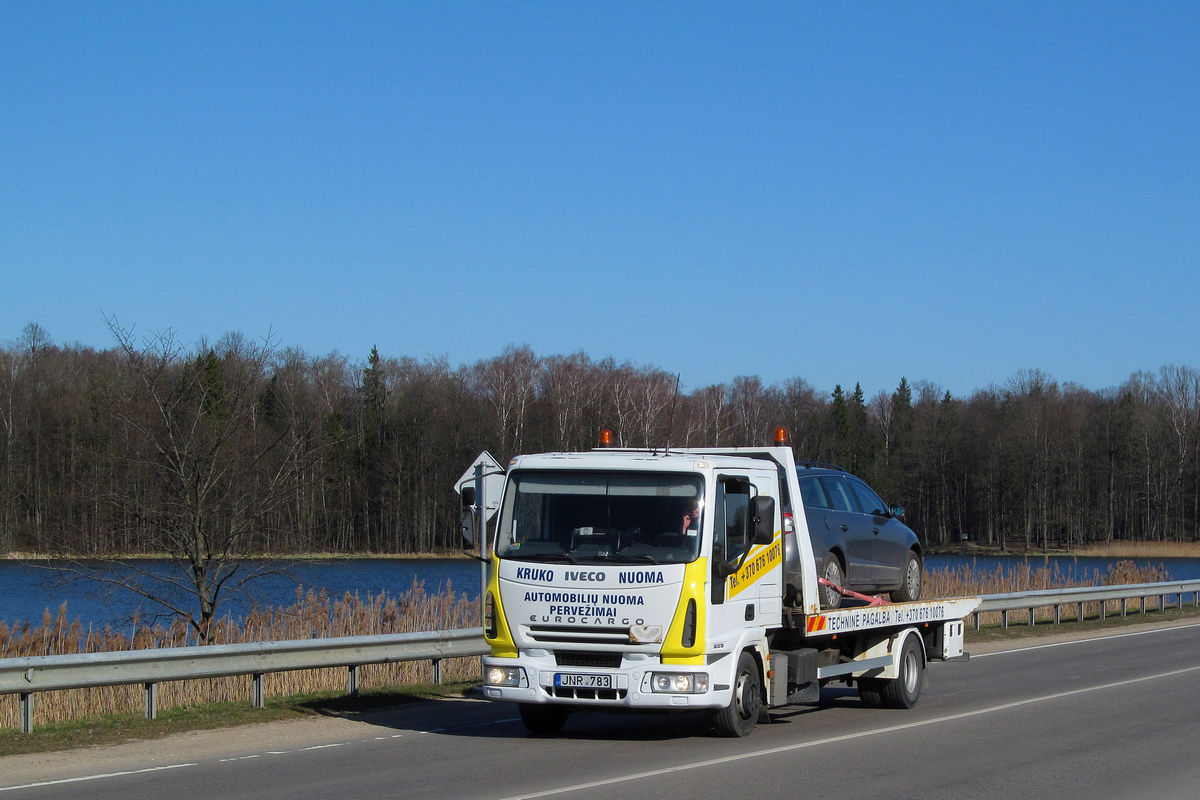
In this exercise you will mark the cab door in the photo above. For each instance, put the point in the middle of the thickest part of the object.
(745, 582)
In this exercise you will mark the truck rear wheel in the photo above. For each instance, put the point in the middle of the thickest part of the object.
(905, 689)
(543, 720)
(741, 715)
(868, 693)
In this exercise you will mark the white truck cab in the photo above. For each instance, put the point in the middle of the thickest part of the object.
(677, 580)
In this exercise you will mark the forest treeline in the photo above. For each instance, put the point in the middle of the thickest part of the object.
(240, 446)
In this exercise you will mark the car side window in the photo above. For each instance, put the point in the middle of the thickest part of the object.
(839, 494)
(870, 502)
(812, 493)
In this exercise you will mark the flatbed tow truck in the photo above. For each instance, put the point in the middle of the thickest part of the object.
(679, 579)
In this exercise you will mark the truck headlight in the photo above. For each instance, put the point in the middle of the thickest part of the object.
(679, 682)
(504, 676)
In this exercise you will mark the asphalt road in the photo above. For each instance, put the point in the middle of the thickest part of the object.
(1117, 717)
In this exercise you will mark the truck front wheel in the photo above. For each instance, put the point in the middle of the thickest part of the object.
(906, 688)
(739, 717)
(543, 720)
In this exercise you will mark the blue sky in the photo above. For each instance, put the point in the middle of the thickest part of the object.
(841, 192)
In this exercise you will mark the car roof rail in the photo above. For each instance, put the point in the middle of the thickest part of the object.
(819, 465)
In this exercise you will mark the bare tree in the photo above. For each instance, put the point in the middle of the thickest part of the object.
(207, 470)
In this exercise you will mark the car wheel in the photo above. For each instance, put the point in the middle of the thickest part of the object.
(741, 715)
(831, 570)
(911, 588)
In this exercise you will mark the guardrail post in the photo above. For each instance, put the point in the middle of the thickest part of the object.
(976, 615)
(1031, 622)
(1080, 611)
(1143, 604)
(436, 665)
(1103, 610)
(151, 700)
(259, 698)
(26, 712)
(352, 680)
(1162, 602)
(1057, 615)
(1124, 606)
(1004, 618)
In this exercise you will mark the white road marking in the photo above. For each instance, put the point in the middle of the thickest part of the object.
(94, 777)
(322, 746)
(847, 737)
(1083, 641)
(239, 758)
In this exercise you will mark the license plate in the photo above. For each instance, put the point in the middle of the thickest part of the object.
(582, 681)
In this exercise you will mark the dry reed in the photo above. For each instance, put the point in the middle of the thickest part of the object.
(966, 580)
(1119, 549)
(313, 615)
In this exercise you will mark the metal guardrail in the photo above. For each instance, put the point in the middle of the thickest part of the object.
(26, 676)
(1057, 598)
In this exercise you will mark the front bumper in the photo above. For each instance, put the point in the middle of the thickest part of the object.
(629, 688)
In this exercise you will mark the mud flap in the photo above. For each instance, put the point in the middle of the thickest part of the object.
(794, 677)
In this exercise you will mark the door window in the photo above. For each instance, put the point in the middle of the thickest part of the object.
(730, 538)
(870, 502)
(839, 494)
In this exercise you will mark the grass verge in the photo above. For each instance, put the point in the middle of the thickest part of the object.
(120, 728)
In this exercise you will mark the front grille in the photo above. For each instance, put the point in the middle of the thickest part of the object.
(569, 693)
(554, 634)
(575, 658)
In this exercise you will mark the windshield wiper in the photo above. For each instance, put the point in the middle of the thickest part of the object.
(634, 557)
(570, 559)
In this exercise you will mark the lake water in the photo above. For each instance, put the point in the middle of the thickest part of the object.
(27, 589)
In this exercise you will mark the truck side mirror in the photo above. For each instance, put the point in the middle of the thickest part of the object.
(763, 510)
(467, 523)
(467, 528)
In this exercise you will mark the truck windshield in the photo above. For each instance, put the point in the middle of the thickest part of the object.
(599, 517)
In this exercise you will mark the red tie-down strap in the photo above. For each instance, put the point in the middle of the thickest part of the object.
(871, 599)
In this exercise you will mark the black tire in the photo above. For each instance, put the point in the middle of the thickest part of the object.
(831, 570)
(543, 720)
(910, 589)
(868, 693)
(741, 715)
(905, 689)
